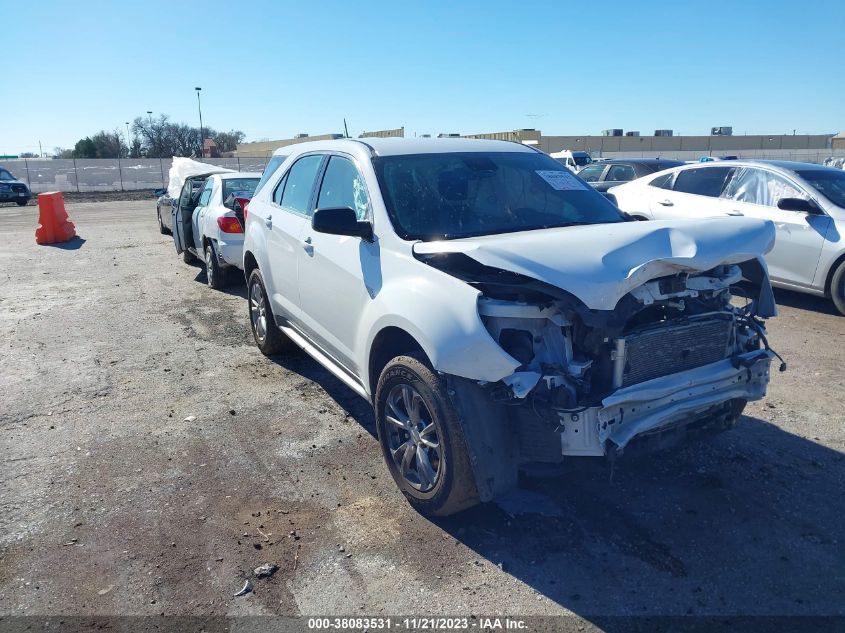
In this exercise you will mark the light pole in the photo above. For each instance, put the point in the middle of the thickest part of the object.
(199, 107)
(128, 146)
(152, 140)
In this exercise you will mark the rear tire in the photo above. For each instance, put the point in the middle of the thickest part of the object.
(216, 276)
(837, 288)
(22, 203)
(268, 338)
(422, 439)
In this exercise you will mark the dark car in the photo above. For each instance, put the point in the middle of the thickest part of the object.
(609, 173)
(12, 189)
(163, 206)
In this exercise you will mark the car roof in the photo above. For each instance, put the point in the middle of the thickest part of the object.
(240, 174)
(404, 146)
(792, 165)
(642, 161)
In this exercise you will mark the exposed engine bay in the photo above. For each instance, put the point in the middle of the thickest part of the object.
(676, 351)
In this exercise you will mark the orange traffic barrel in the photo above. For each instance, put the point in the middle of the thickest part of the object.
(53, 224)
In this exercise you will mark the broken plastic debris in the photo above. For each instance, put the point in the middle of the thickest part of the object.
(190, 418)
(265, 571)
(247, 588)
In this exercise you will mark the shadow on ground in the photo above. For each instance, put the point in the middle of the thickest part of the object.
(745, 522)
(73, 244)
(804, 301)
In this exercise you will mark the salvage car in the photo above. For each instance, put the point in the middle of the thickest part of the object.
(12, 189)
(609, 173)
(805, 201)
(208, 222)
(497, 311)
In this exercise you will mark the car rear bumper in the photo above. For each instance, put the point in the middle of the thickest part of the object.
(230, 251)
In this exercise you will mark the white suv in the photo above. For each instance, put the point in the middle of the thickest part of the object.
(496, 310)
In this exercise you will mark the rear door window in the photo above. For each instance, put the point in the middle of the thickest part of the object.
(591, 173)
(300, 184)
(622, 173)
(702, 181)
(205, 196)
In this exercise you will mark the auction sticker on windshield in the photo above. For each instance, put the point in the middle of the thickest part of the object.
(561, 180)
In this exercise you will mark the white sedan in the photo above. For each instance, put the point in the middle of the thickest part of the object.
(209, 223)
(806, 202)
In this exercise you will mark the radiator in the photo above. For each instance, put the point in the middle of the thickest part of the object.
(661, 351)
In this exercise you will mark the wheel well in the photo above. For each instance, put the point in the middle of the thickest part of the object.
(388, 344)
(249, 264)
(832, 272)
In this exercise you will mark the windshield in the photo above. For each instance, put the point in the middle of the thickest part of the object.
(4, 175)
(452, 195)
(582, 160)
(239, 185)
(830, 183)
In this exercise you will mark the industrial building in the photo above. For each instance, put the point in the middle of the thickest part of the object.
(617, 143)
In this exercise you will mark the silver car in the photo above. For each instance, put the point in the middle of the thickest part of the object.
(805, 201)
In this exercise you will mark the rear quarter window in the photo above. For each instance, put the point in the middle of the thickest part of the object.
(269, 170)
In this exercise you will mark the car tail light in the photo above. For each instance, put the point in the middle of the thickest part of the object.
(229, 225)
(244, 202)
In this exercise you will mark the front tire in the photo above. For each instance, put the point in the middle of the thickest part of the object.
(22, 203)
(215, 275)
(422, 439)
(269, 339)
(837, 288)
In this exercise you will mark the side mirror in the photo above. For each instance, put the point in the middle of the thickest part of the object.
(799, 204)
(341, 221)
(160, 192)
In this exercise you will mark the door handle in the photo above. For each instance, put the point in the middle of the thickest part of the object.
(666, 203)
(308, 246)
(735, 212)
(268, 221)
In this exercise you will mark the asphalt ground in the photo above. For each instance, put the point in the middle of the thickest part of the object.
(152, 457)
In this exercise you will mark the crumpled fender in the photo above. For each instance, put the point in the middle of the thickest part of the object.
(441, 314)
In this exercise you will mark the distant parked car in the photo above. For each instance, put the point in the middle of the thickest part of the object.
(572, 160)
(12, 189)
(609, 173)
(805, 201)
(164, 201)
(208, 221)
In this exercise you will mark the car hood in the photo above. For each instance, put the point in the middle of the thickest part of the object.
(601, 263)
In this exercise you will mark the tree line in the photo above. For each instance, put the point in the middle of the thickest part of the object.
(151, 138)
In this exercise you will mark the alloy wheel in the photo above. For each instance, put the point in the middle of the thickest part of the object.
(258, 312)
(412, 438)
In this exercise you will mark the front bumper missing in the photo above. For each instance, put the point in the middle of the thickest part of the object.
(662, 403)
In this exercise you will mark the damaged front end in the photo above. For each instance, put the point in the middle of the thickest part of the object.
(677, 352)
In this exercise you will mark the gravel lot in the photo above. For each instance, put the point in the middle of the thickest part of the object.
(152, 457)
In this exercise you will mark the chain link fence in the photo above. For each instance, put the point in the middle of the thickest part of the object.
(108, 174)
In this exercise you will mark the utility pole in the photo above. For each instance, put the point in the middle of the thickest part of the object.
(40, 151)
(128, 146)
(202, 139)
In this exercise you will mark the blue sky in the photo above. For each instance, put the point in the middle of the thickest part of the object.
(275, 68)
